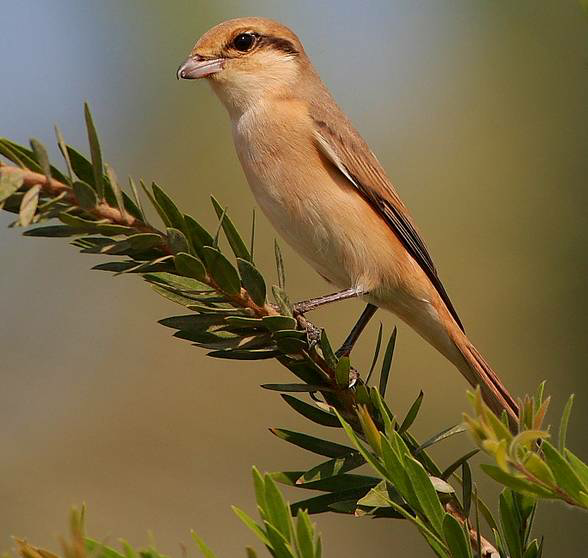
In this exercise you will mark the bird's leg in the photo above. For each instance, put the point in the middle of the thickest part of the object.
(357, 330)
(300, 308)
(308, 305)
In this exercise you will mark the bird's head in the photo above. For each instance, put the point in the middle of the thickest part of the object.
(246, 60)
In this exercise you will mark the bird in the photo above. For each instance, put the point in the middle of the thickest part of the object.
(325, 192)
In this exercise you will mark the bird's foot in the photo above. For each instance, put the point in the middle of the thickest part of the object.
(313, 333)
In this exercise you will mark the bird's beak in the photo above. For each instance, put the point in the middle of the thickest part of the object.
(195, 67)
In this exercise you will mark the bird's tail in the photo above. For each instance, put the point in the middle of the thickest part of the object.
(478, 372)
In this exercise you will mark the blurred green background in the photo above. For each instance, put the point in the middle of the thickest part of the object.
(478, 109)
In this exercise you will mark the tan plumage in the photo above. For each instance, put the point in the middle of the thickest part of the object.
(324, 190)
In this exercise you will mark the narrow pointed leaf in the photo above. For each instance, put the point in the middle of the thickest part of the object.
(235, 241)
(277, 509)
(9, 184)
(327, 350)
(41, 157)
(562, 471)
(173, 217)
(177, 240)
(332, 467)
(280, 266)
(425, 493)
(376, 354)
(222, 271)
(457, 541)
(252, 280)
(253, 526)
(85, 195)
(342, 371)
(387, 363)
(28, 205)
(563, 426)
(190, 266)
(97, 167)
(203, 547)
(311, 412)
(412, 414)
(315, 445)
(510, 525)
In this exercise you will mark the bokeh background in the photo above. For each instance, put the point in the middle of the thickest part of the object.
(479, 111)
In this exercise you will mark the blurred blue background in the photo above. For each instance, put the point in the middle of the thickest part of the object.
(478, 111)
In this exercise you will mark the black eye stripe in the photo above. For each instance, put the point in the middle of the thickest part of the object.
(283, 45)
(247, 40)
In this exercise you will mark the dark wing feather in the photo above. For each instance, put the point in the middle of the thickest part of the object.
(353, 158)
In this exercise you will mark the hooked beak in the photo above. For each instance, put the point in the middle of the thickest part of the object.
(196, 67)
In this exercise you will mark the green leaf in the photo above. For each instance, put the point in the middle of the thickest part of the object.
(177, 241)
(9, 183)
(323, 503)
(55, 231)
(376, 354)
(42, 158)
(116, 191)
(190, 266)
(244, 354)
(277, 510)
(137, 199)
(564, 474)
(456, 538)
(171, 214)
(252, 281)
(99, 549)
(536, 466)
(466, 488)
(291, 345)
(81, 166)
(280, 546)
(425, 493)
(327, 350)
(412, 414)
(235, 241)
(342, 371)
(28, 205)
(97, 167)
(580, 468)
(511, 528)
(304, 535)
(311, 412)
(278, 323)
(222, 271)
(282, 300)
(514, 483)
(315, 445)
(332, 467)
(447, 433)
(387, 363)
(178, 282)
(134, 244)
(532, 550)
(253, 526)
(85, 195)
(197, 235)
(563, 425)
(337, 483)
(250, 552)
(202, 546)
(280, 266)
(292, 388)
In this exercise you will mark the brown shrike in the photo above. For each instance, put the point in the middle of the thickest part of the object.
(325, 192)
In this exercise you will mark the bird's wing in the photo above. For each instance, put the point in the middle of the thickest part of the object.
(350, 154)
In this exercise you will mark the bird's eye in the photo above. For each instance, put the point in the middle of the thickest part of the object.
(244, 42)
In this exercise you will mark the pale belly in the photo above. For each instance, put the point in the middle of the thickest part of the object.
(320, 214)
